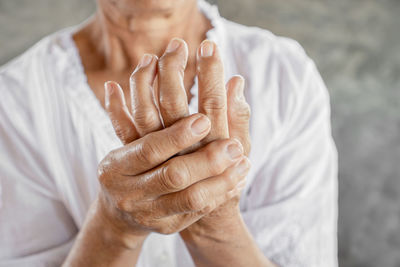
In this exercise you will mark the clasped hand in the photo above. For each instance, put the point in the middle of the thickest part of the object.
(175, 171)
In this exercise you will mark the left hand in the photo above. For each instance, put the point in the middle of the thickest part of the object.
(225, 107)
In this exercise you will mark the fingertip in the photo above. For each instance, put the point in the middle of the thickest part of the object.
(109, 87)
(113, 91)
(208, 60)
(235, 88)
(176, 53)
(145, 61)
(239, 79)
(184, 46)
(175, 44)
(207, 49)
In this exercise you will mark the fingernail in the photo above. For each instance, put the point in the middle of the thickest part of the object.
(234, 150)
(109, 90)
(243, 167)
(173, 45)
(200, 125)
(145, 61)
(207, 49)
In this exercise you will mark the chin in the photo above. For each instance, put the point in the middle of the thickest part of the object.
(146, 5)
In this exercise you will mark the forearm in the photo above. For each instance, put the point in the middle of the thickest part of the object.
(99, 244)
(230, 244)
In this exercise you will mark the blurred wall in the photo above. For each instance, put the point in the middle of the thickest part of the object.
(356, 45)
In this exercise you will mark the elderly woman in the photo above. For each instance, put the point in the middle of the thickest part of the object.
(93, 177)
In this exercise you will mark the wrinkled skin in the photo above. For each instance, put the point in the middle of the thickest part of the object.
(181, 177)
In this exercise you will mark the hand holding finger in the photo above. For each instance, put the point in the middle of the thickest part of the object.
(193, 194)
(203, 196)
(155, 148)
(181, 172)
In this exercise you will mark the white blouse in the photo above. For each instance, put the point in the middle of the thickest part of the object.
(54, 132)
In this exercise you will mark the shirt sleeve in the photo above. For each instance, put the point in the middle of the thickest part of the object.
(292, 201)
(35, 227)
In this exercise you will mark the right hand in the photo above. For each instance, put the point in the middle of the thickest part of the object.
(144, 190)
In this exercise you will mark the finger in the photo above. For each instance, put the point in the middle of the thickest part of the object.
(172, 96)
(203, 196)
(119, 114)
(166, 225)
(144, 111)
(212, 92)
(238, 112)
(181, 172)
(157, 147)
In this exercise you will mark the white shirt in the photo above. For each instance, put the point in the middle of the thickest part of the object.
(54, 132)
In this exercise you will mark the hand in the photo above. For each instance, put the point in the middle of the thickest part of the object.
(139, 195)
(219, 237)
(228, 115)
(142, 190)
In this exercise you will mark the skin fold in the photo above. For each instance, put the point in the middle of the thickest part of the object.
(176, 172)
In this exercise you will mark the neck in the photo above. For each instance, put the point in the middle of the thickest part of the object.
(117, 37)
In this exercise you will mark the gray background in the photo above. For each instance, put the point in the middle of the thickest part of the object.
(356, 45)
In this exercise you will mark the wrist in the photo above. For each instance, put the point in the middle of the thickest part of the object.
(100, 243)
(225, 245)
(115, 232)
(212, 229)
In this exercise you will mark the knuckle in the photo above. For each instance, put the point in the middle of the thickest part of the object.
(215, 158)
(173, 104)
(173, 177)
(123, 133)
(102, 174)
(123, 205)
(104, 169)
(178, 139)
(244, 112)
(196, 199)
(144, 118)
(211, 154)
(214, 102)
(147, 154)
